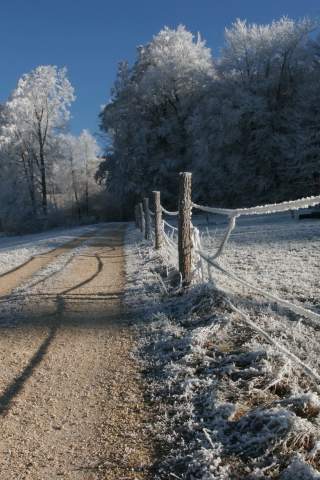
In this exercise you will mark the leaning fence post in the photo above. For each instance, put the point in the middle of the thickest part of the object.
(147, 218)
(141, 218)
(137, 215)
(157, 219)
(184, 239)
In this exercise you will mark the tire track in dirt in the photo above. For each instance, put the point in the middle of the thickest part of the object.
(71, 399)
(12, 279)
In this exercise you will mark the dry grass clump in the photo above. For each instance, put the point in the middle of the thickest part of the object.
(259, 411)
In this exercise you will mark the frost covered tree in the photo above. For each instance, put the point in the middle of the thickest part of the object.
(245, 129)
(245, 124)
(36, 110)
(75, 177)
(146, 121)
(15, 202)
(69, 177)
(90, 159)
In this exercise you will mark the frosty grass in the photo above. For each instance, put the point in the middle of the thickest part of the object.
(230, 405)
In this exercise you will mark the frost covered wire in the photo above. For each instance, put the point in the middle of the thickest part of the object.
(170, 226)
(224, 242)
(280, 207)
(169, 213)
(170, 240)
(283, 303)
(275, 207)
(294, 205)
(152, 234)
(273, 342)
(197, 249)
(196, 245)
(171, 246)
(152, 230)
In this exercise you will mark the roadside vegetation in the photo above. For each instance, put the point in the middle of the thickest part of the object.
(233, 405)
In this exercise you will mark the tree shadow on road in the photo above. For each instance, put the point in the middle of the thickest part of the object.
(57, 317)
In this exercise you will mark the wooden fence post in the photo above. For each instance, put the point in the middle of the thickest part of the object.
(137, 216)
(141, 218)
(147, 218)
(157, 219)
(184, 238)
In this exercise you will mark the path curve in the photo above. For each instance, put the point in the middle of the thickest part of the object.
(71, 399)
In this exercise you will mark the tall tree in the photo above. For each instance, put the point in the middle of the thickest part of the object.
(72, 175)
(36, 110)
(245, 124)
(77, 175)
(90, 160)
(246, 128)
(152, 102)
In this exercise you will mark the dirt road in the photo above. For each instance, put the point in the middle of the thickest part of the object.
(71, 400)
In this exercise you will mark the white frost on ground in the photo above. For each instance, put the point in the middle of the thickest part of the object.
(14, 251)
(273, 252)
(232, 406)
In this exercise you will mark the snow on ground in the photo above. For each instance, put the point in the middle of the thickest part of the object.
(273, 252)
(14, 251)
(231, 404)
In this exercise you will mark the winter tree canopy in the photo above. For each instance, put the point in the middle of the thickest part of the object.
(44, 169)
(245, 124)
(152, 103)
(36, 110)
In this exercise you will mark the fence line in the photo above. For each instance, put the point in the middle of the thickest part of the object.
(310, 371)
(184, 246)
(169, 213)
(283, 303)
(170, 226)
(157, 220)
(184, 229)
(272, 208)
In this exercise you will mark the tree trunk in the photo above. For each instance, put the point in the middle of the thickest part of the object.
(137, 216)
(54, 198)
(75, 189)
(87, 190)
(43, 181)
(87, 199)
(33, 196)
(27, 166)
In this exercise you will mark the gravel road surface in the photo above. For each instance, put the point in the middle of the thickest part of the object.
(71, 398)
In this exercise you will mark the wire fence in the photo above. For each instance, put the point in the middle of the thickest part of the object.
(184, 239)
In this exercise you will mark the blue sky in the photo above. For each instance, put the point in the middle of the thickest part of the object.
(90, 37)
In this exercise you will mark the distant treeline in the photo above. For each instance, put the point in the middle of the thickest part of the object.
(46, 174)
